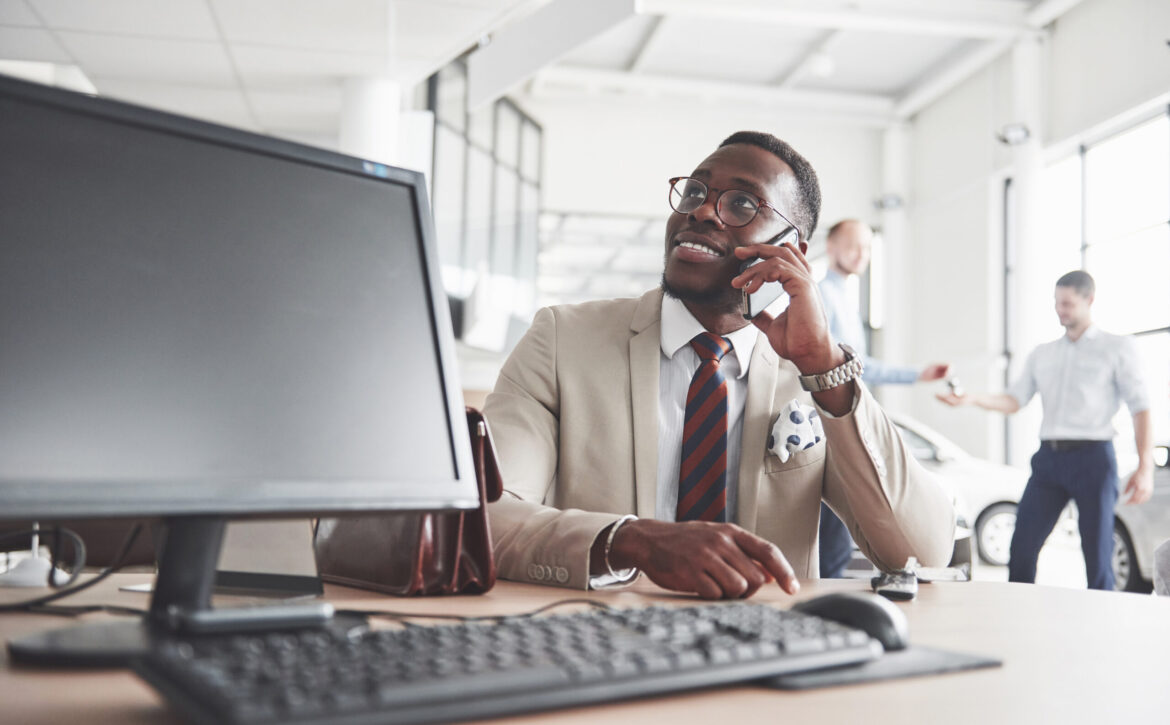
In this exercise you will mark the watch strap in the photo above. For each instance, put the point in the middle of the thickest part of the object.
(849, 370)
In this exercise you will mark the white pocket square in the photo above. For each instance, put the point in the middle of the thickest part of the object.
(796, 428)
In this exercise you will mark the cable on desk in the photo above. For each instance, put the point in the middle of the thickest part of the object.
(404, 617)
(67, 610)
(119, 562)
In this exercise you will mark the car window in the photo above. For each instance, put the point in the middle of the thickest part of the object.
(920, 448)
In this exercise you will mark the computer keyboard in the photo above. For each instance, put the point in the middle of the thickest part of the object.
(442, 673)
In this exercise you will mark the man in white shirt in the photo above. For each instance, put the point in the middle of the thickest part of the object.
(848, 246)
(669, 435)
(1082, 378)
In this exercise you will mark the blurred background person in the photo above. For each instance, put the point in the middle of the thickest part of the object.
(1082, 378)
(848, 247)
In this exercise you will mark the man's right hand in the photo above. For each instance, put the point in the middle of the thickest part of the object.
(713, 560)
(933, 371)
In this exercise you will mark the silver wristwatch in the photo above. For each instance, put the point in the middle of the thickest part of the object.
(843, 373)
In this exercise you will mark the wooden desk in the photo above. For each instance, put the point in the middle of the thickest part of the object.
(1069, 657)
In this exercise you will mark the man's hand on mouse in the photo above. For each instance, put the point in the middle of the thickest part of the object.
(713, 560)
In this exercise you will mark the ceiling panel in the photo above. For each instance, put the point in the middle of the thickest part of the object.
(737, 51)
(352, 26)
(31, 44)
(268, 66)
(17, 12)
(886, 63)
(174, 61)
(210, 104)
(169, 19)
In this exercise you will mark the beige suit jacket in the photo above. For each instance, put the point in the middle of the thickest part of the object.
(574, 416)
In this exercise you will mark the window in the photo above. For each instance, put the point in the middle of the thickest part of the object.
(1127, 250)
(486, 205)
(1106, 209)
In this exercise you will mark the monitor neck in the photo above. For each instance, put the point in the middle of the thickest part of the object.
(186, 566)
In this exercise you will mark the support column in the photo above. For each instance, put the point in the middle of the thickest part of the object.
(370, 113)
(899, 260)
(1029, 297)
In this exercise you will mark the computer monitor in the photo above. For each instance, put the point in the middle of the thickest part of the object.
(199, 323)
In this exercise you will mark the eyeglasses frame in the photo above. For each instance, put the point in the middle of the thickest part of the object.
(764, 203)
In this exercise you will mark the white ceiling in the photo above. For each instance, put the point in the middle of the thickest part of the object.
(274, 66)
(279, 66)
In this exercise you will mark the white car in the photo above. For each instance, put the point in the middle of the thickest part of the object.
(985, 493)
(1138, 530)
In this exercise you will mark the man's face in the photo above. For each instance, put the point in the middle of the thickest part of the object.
(849, 247)
(1072, 307)
(699, 260)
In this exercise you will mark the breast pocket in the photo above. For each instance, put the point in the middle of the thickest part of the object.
(799, 459)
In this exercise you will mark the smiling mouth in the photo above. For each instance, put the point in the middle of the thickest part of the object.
(700, 247)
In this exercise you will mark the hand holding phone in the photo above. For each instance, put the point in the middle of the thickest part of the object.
(755, 302)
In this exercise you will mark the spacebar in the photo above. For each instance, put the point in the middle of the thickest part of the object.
(463, 687)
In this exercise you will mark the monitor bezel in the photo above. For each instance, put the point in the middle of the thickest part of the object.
(26, 499)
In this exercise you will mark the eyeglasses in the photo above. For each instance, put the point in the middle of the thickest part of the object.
(734, 208)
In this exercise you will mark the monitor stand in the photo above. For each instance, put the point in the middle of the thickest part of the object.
(181, 604)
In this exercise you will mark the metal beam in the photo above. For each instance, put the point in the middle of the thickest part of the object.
(1048, 10)
(946, 78)
(908, 22)
(639, 58)
(520, 49)
(865, 109)
(824, 45)
(936, 85)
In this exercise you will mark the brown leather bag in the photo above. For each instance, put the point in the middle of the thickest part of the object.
(421, 553)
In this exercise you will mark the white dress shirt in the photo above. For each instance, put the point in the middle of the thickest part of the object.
(1082, 383)
(676, 367)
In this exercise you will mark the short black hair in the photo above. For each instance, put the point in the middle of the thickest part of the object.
(1079, 280)
(808, 202)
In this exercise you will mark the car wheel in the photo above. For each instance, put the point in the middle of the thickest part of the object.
(993, 533)
(1126, 575)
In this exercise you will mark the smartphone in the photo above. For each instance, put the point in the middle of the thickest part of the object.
(755, 302)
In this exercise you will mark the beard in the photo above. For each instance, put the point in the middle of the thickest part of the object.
(729, 300)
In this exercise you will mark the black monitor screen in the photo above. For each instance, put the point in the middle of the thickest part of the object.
(194, 319)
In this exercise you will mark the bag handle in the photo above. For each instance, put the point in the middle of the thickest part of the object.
(488, 471)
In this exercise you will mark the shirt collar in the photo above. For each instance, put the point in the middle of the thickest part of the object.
(1090, 333)
(679, 327)
(835, 277)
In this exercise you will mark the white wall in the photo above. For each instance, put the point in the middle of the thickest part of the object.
(1102, 60)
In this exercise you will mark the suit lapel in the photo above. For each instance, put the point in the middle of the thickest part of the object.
(757, 420)
(645, 346)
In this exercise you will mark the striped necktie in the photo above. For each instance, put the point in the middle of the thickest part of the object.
(702, 476)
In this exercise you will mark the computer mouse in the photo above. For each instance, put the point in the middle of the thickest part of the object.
(874, 615)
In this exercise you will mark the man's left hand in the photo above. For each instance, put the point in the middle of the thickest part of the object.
(1140, 486)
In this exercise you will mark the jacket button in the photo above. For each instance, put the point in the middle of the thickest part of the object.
(535, 572)
(562, 575)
